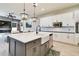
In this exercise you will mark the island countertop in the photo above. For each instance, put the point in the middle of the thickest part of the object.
(30, 36)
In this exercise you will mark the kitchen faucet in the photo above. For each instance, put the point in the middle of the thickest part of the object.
(38, 28)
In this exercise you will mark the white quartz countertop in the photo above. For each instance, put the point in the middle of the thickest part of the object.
(30, 36)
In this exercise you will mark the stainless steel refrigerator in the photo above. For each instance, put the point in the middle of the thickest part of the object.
(77, 27)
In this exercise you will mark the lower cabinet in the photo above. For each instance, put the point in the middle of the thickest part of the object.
(33, 51)
(70, 38)
(44, 48)
(32, 48)
(20, 49)
(12, 47)
(50, 41)
(76, 39)
(64, 37)
(17, 48)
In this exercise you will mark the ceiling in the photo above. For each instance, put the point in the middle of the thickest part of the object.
(42, 8)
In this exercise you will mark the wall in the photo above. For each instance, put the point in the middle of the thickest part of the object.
(23, 27)
(14, 29)
(68, 19)
(46, 21)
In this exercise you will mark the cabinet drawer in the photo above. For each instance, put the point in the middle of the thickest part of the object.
(34, 43)
(33, 51)
(44, 48)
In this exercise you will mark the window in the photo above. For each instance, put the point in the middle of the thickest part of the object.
(28, 25)
(13, 24)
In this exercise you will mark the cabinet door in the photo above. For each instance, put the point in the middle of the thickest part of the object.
(62, 37)
(65, 37)
(44, 48)
(55, 36)
(50, 41)
(20, 49)
(70, 38)
(76, 39)
(59, 37)
(33, 51)
(12, 47)
(33, 48)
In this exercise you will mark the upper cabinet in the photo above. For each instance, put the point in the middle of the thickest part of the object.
(76, 15)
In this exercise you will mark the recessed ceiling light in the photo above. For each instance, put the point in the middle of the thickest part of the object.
(42, 9)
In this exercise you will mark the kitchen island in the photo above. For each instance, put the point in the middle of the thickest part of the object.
(30, 43)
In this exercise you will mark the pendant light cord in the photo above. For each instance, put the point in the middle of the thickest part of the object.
(34, 8)
(24, 8)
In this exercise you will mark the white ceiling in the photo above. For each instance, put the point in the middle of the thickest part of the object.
(17, 8)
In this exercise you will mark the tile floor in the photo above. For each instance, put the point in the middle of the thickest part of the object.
(65, 49)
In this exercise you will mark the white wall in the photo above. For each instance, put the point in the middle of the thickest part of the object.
(66, 18)
(46, 21)
(24, 25)
(14, 29)
(35, 24)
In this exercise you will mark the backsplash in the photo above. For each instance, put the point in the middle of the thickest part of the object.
(62, 29)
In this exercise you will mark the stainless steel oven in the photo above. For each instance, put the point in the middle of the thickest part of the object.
(5, 26)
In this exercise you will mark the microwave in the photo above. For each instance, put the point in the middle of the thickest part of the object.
(57, 24)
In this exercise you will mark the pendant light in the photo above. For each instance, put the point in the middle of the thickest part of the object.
(24, 15)
(34, 17)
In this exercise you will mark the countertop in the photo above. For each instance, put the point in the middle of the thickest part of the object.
(30, 36)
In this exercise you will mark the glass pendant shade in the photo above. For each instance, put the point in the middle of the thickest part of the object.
(34, 19)
(24, 16)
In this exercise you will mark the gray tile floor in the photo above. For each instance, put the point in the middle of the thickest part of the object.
(64, 49)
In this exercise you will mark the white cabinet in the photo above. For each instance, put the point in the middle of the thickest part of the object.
(70, 38)
(76, 39)
(76, 15)
(64, 37)
(59, 37)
